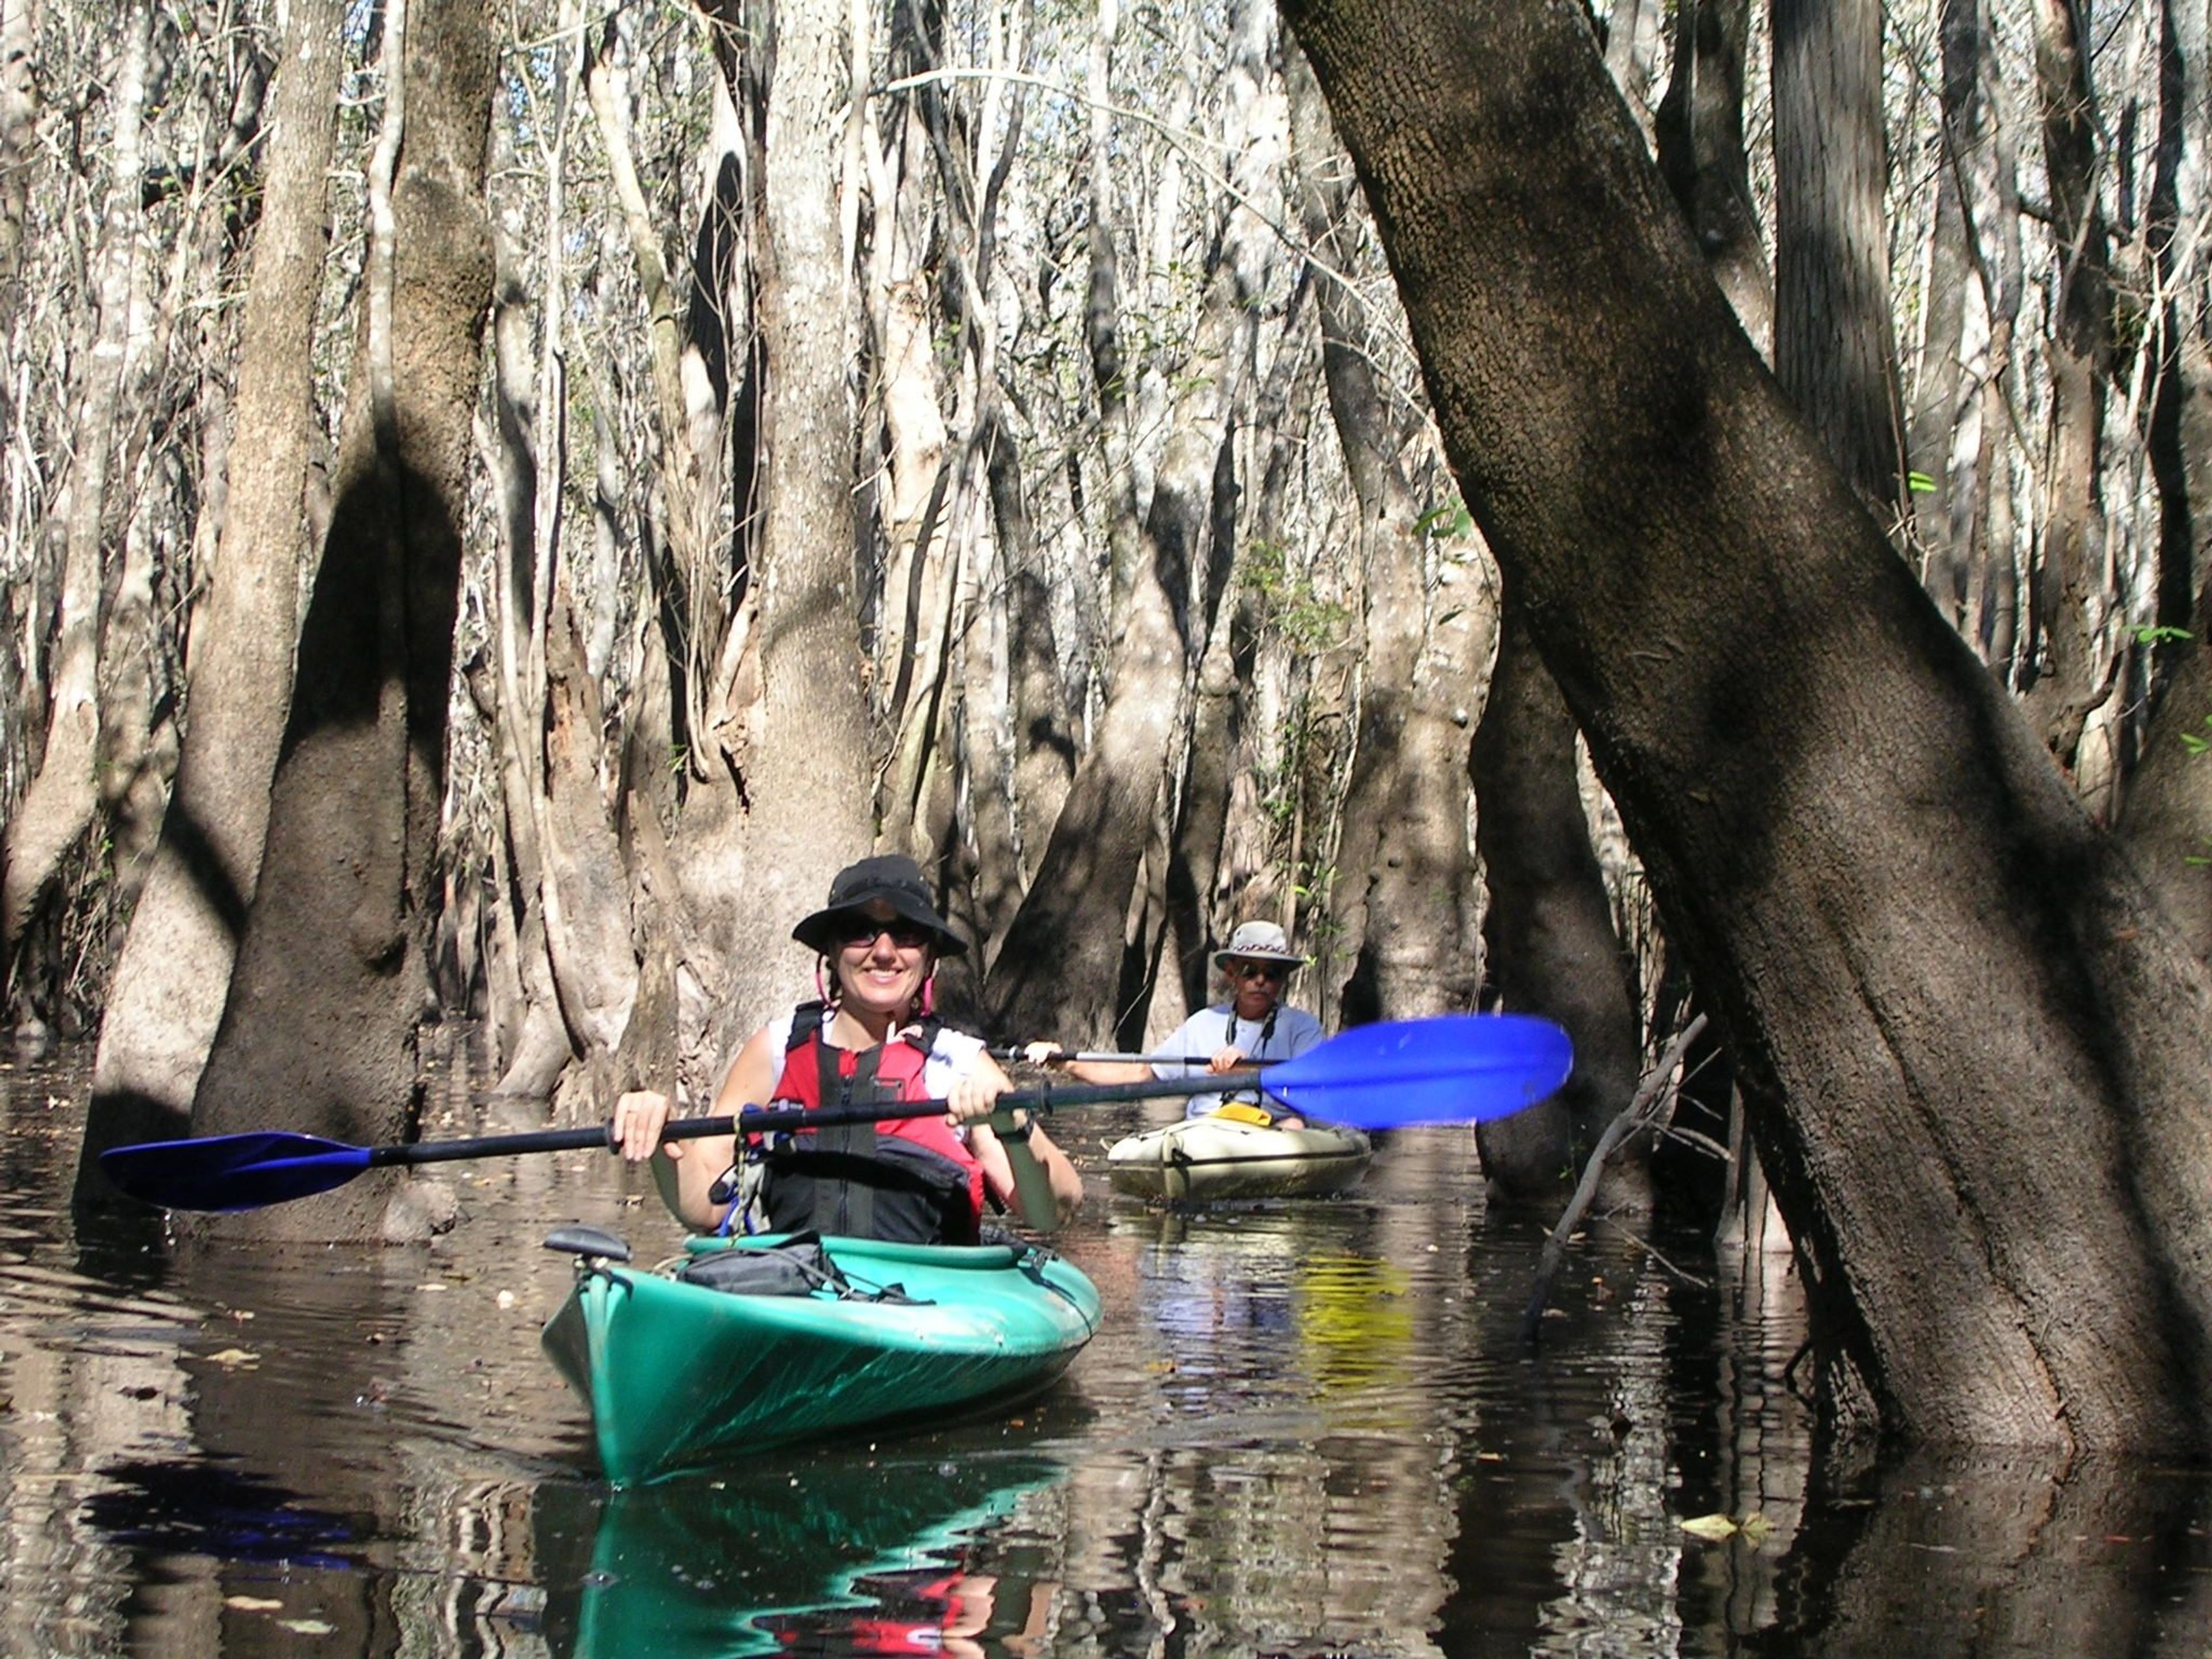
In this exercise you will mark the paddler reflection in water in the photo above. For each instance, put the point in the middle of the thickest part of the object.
(928, 1610)
(1254, 1024)
(871, 1036)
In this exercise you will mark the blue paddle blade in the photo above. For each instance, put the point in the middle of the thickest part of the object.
(232, 1172)
(1456, 1068)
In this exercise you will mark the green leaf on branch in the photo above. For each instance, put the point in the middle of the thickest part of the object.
(1452, 519)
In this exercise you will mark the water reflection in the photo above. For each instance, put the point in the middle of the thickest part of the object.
(854, 1558)
(1304, 1428)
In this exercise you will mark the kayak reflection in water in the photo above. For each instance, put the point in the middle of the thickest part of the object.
(1255, 1023)
(871, 1036)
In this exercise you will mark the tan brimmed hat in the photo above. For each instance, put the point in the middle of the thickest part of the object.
(1258, 941)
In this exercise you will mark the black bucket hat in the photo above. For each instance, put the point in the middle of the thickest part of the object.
(895, 879)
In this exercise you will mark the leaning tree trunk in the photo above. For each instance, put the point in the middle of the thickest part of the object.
(1973, 1054)
(318, 1034)
(171, 979)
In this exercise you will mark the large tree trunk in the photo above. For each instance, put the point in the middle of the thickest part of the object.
(170, 981)
(1974, 1055)
(319, 1033)
(804, 764)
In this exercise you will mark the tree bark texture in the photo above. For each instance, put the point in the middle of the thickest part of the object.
(19, 122)
(805, 778)
(1835, 346)
(318, 1032)
(171, 981)
(1973, 1054)
(1549, 939)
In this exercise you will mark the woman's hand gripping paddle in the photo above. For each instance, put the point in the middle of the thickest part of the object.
(1456, 1068)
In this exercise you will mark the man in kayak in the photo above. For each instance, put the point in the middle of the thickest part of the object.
(1254, 1024)
(919, 1180)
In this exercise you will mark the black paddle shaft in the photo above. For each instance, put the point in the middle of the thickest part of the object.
(768, 1120)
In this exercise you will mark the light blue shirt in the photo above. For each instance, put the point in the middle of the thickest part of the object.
(1210, 1030)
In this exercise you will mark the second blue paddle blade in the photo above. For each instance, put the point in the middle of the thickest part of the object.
(1454, 1068)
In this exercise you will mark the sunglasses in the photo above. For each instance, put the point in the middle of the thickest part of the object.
(1274, 971)
(866, 930)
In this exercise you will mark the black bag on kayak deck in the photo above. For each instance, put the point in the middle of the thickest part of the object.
(797, 1266)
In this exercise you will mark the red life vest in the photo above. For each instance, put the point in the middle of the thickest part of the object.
(912, 1180)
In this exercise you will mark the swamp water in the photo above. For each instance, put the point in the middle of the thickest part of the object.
(1304, 1429)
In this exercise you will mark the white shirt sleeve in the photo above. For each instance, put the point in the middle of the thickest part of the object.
(949, 1057)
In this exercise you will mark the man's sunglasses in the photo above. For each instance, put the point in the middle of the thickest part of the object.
(866, 930)
(1274, 971)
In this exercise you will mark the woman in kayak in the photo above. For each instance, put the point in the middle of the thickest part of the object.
(921, 1179)
(1254, 1024)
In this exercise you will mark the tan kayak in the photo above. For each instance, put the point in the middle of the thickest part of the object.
(1235, 1152)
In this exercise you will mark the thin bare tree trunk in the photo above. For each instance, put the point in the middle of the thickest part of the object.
(2167, 813)
(1076, 910)
(2075, 683)
(915, 503)
(1835, 345)
(65, 795)
(1403, 930)
(1698, 128)
(1947, 408)
(1044, 743)
(20, 106)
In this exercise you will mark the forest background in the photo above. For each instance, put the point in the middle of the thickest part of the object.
(494, 546)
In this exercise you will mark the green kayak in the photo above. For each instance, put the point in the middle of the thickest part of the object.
(681, 1375)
